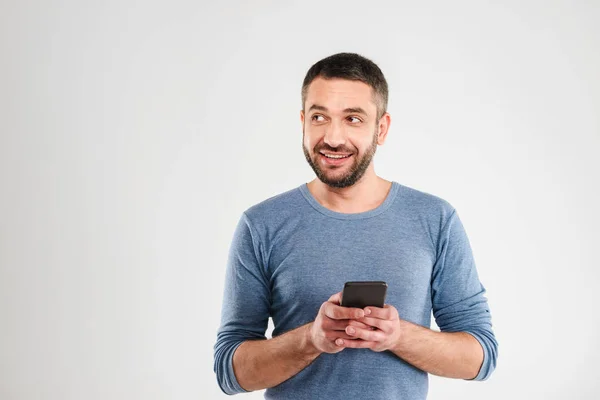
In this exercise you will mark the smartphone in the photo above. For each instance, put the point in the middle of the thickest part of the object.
(363, 294)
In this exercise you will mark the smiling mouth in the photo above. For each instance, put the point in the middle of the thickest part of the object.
(334, 159)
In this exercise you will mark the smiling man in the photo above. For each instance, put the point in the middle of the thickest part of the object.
(292, 253)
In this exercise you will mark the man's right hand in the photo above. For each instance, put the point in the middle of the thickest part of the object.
(331, 323)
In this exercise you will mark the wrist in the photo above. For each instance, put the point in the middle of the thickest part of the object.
(402, 340)
(307, 346)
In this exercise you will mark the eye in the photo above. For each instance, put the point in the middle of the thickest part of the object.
(354, 120)
(316, 116)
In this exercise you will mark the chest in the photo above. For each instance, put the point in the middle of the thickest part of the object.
(311, 265)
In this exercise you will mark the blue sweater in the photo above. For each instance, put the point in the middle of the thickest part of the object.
(289, 254)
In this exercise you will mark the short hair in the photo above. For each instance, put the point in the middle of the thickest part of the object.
(354, 67)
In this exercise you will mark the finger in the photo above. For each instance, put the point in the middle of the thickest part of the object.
(387, 312)
(358, 323)
(365, 334)
(341, 324)
(354, 344)
(381, 324)
(338, 312)
(333, 335)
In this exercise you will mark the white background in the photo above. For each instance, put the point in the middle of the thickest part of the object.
(134, 133)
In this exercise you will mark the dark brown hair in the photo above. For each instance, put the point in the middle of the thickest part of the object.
(354, 67)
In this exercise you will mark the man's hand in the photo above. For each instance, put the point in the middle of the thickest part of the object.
(382, 331)
(330, 325)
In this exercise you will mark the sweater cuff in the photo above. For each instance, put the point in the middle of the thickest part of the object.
(483, 371)
(230, 384)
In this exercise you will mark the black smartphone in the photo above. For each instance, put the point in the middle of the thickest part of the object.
(363, 294)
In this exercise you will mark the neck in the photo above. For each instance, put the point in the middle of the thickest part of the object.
(366, 194)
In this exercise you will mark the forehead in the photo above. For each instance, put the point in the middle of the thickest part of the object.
(340, 94)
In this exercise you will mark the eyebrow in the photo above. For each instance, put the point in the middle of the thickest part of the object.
(356, 110)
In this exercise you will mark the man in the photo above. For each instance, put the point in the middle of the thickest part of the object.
(292, 253)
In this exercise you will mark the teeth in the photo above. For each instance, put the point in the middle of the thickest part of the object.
(335, 156)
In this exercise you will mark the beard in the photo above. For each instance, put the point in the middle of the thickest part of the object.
(353, 174)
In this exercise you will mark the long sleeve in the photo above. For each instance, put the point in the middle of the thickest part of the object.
(245, 308)
(458, 300)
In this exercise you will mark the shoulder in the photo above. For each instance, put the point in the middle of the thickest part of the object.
(424, 211)
(423, 203)
(276, 203)
(275, 217)
(276, 209)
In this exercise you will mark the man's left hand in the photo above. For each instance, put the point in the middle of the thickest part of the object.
(384, 333)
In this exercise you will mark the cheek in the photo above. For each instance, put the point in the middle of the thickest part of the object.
(311, 137)
(308, 141)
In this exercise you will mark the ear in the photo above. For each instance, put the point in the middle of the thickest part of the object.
(383, 128)
(302, 116)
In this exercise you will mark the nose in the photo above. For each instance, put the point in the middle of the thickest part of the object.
(335, 135)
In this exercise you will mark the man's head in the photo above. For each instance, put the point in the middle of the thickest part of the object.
(344, 103)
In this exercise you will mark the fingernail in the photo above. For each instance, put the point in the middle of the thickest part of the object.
(339, 342)
(351, 330)
(360, 314)
(367, 311)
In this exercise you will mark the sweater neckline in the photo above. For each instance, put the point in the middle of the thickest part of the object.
(389, 199)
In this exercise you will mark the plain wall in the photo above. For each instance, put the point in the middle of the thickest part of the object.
(134, 134)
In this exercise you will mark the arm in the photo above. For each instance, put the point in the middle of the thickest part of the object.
(448, 354)
(458, 297)
(260, 364)
(245, 308)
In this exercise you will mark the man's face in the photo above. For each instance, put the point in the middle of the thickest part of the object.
(339, 118)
